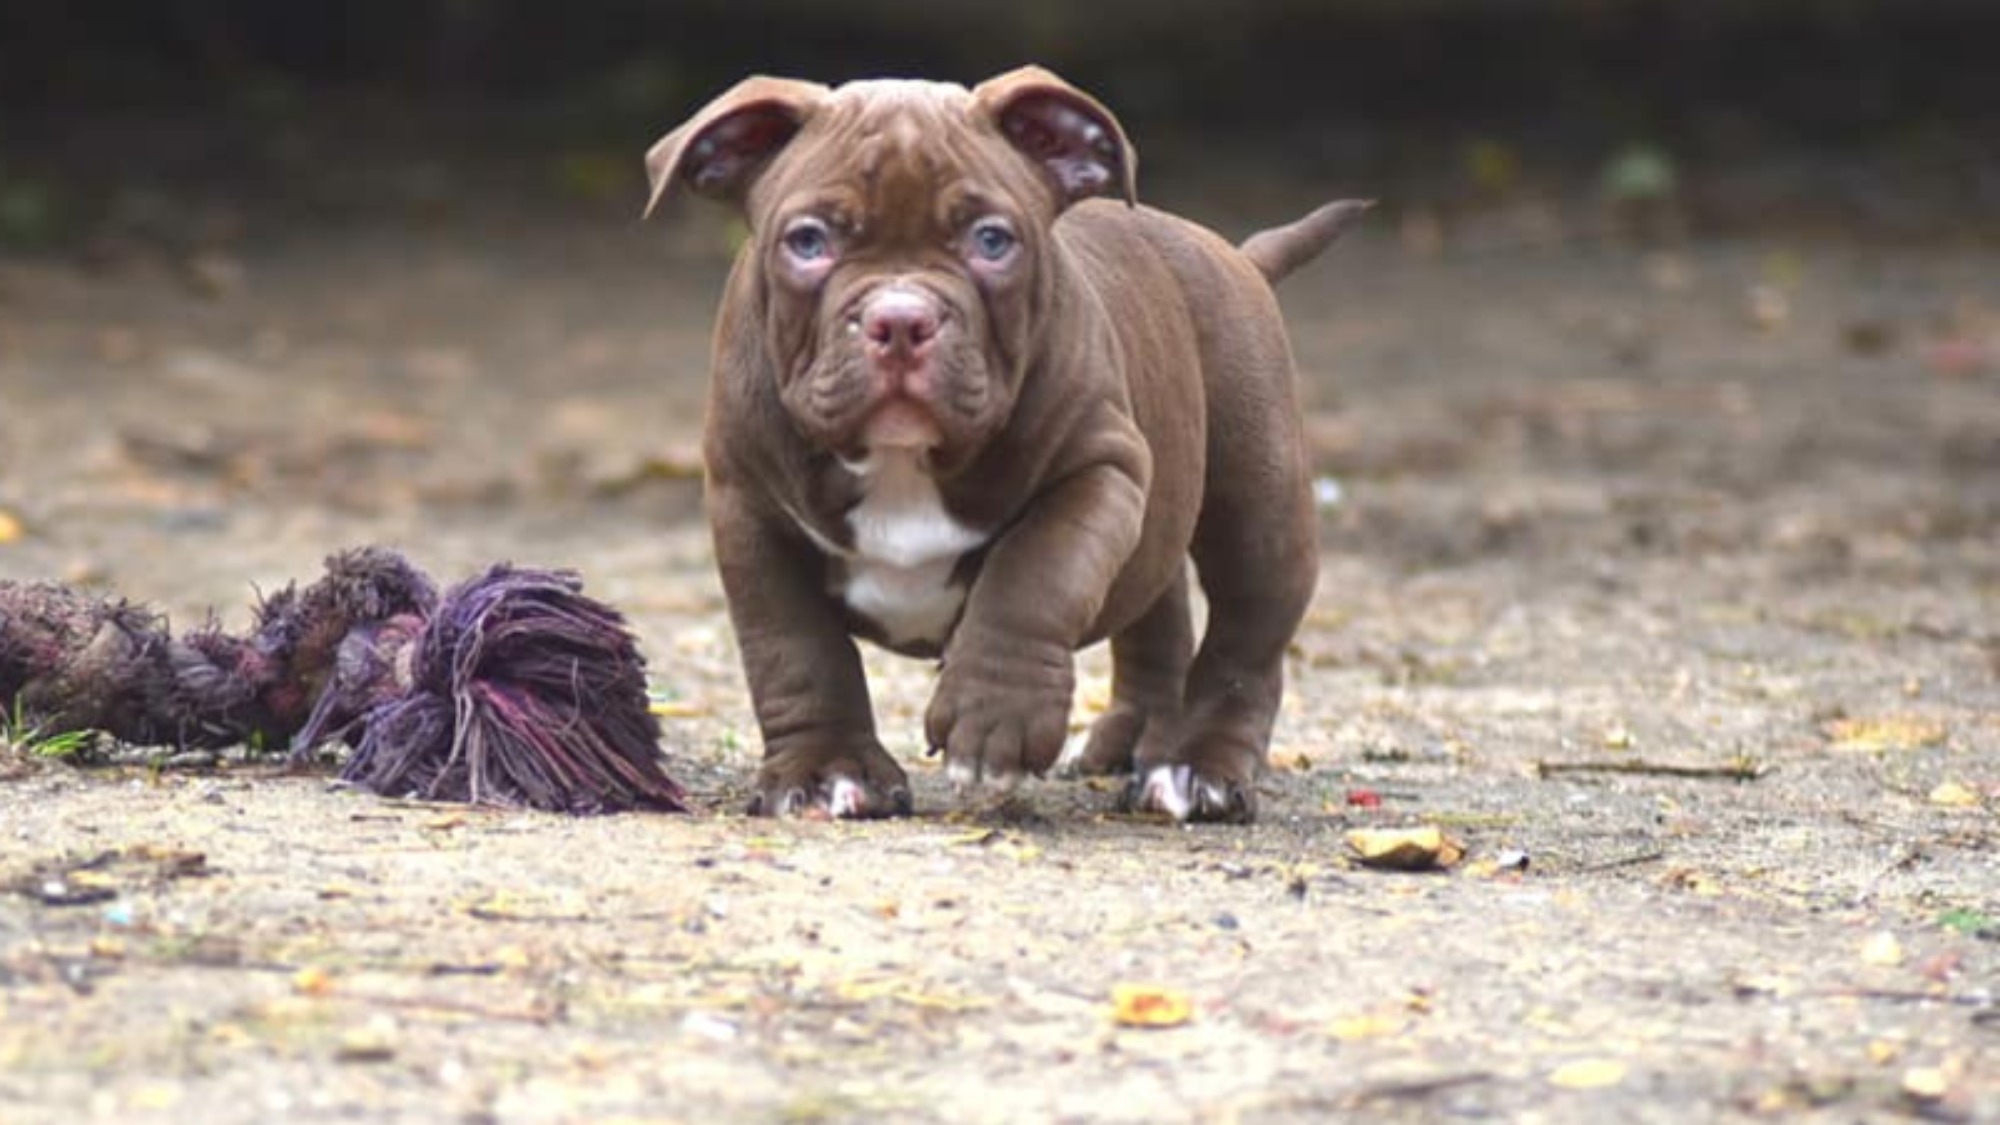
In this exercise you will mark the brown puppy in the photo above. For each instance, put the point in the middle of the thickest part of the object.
(963, 409)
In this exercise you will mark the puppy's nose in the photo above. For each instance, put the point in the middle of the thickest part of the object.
(899, 322)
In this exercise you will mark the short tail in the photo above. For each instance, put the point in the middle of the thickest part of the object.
(1280, 250)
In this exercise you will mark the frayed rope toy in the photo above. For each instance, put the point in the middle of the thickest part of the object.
(512, 688)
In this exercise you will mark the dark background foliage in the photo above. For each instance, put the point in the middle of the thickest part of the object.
(1699, 72)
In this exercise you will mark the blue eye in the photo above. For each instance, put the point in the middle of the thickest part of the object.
(808, 241)
(992, 240)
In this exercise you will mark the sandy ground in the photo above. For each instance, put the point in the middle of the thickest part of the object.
(1666, 581)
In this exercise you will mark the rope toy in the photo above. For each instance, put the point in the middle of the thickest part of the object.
(511, 688)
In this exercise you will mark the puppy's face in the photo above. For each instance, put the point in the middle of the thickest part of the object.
(900, 239)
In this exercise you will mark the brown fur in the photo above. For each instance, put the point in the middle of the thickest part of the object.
(1113, 398)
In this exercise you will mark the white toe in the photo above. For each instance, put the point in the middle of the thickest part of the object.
(1071, 758)
(846, 798)
(1166, 790)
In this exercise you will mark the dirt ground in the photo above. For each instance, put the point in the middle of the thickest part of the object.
(1665, 580)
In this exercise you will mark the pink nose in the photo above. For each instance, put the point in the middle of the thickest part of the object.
(899, 322)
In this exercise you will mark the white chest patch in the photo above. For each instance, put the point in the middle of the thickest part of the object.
(905, 549)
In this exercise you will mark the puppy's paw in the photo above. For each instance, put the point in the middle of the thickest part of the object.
(1189, 793)
(996, 720)
(1126, 733)
(837, 783)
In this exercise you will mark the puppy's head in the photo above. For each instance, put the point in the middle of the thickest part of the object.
(899, 239)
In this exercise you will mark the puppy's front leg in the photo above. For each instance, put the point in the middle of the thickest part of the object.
(1003, 697)
(806, 680)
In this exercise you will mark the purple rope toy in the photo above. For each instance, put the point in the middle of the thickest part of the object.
(512, 688)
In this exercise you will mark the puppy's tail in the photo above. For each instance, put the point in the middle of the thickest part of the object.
(1280, 250)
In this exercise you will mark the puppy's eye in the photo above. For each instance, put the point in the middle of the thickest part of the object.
(993, 240)
(808, 241)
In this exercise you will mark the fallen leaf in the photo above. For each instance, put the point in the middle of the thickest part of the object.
(11, 528)
(1926, 1083)
(1963, 920)
(1368, 1025)
(1146, 1005)
(1405, 849)
(1884, 732)
(1588, 1074)
(1093, 695)
(676, 709)
(1364, 799)
(1954, 795)
(374, 1042)
(154, 1098)
(312, 981)
(1689, 879)
(1882, 948)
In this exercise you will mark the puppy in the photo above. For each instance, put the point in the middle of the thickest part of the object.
(970, 401)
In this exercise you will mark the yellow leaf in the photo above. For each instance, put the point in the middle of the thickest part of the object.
(230, 1035)
(676, 709)
(312, 981)
(1093, 695)
(1884, 1051)
(1588, 1074)
(154, 1098)
(1369, 1025)
(1146, 1005)
(11, 529)
(1926, 1083)
(1882, 948)
(1954, 795)
(1885, 732)
(1405, 849)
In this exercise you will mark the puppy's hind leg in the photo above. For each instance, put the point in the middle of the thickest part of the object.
(1149, 668)
(1256, 549)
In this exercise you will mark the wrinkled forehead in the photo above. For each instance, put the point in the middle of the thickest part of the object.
(895, 152)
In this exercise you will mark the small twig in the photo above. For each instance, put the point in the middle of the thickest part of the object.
(1624, 861)
(1980, 1000)
(1742, 769)
(1414, 1088)
(540, 1016)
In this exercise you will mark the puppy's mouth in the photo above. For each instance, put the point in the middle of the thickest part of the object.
(901, 422)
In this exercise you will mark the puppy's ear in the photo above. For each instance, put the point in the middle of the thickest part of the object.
(1079, 146)
(719, 151)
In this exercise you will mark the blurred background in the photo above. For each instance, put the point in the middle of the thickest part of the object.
(1871, 116)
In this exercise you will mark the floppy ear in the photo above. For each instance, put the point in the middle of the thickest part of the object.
(719, 150)
(1080, 147)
